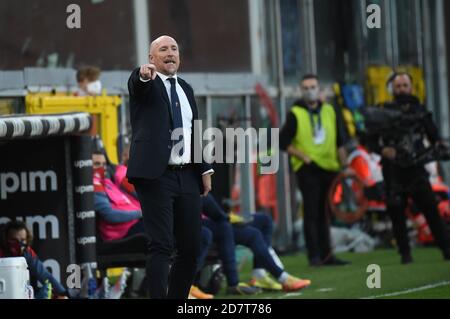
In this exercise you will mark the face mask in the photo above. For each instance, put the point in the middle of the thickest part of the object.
(405, 101)
(17, 247)
(99, 177)
(95, 87)
(99, 173)
(404, 98)
(311, 95)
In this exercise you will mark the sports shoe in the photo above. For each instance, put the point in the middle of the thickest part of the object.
(266, 283)
(196, 293)
(243, 289)
(235, 218)
(334, 261)
(293, 283)
(315, 262)
(406, 259)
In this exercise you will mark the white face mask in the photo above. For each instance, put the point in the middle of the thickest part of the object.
(94, 88)
(311, 95)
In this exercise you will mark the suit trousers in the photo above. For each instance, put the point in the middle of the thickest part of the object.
(171, 213)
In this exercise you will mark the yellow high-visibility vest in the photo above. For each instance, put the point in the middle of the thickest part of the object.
(323, 154)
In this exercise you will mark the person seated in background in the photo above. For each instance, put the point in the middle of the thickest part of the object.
(227, 236)
(222, 234)
(120, 214)
(264, 224)
(207, 240)
(88, 81)
(15, 241)
(120, 175)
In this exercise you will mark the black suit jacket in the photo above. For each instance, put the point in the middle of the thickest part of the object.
(151, 125)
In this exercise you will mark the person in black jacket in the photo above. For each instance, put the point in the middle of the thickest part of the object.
(412, 181)
(161, 166)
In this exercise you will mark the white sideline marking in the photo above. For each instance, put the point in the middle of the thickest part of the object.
(408, 291)
(290, 294)
(324, 289)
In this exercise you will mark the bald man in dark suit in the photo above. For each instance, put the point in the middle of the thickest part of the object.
(162, 168)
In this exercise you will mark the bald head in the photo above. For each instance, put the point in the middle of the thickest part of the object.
(164, 55)
(164, 38)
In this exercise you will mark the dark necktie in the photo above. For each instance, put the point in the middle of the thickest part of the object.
(176, 111)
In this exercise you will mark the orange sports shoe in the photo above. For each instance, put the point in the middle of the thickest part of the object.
(196, 293)
(293, 283)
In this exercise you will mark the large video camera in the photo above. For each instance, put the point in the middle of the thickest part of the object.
(405, 133)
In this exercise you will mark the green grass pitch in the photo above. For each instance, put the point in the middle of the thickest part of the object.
(427, 277)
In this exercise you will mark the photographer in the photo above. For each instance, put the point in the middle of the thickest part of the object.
(404, 181)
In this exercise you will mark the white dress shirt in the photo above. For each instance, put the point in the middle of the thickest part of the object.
(186, 114)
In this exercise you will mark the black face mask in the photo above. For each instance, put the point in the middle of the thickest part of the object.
(405, 101)
(405, 98)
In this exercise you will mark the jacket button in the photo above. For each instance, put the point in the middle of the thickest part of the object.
(169, 146)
